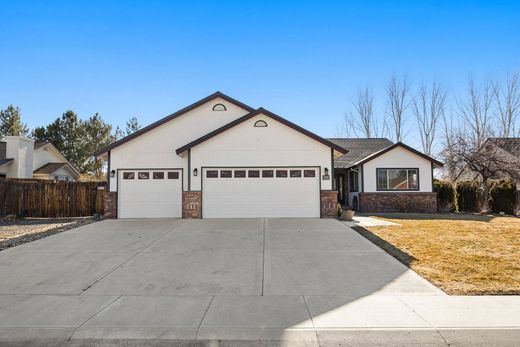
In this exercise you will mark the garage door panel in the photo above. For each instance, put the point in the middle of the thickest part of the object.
(155, 197)
(258, 197)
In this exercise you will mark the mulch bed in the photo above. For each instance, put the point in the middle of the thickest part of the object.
(32, 229)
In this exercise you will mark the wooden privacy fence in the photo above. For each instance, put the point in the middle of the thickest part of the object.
(38, 198)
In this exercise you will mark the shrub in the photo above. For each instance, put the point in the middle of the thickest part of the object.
(502, 196)
(467, 195)
(445, 195)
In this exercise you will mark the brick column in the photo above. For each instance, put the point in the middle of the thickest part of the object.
(328, 202)
(110, 204)
(192, 205)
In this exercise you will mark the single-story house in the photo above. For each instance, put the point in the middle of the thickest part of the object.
(377, 175)
(21, 157)
(220, 158)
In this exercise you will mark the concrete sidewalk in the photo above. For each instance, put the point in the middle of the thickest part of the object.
(279, 320)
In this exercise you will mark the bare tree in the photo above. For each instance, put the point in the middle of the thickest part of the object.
(428, 106)
(397, 91)
(475, 111)
(507, 101)
(363, 121)
(364, 106)
(473, 147)
(487, 160)
(451, 166)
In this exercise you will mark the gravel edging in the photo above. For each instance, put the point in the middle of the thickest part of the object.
(26, 238)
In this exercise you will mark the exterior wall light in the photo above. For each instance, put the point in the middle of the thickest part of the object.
(326, 176)
(195, 172)
(112, 173)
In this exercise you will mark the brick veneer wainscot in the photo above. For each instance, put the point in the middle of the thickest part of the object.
(192, 205)
(110, 204)
(398, 202)
(328, 203)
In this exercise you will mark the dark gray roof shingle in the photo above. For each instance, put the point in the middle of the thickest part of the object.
(358, 149)
(39, 144)
(49, 168)
(508, 144)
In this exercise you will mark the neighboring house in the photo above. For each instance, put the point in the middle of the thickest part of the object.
(377, 175)
(219, 158)
(21, 157)
(505, 150)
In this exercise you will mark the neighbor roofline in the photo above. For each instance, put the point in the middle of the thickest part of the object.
(252, 114)
(171, 117)
(395, 145)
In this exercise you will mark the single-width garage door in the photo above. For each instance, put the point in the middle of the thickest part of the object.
(145, 193)
(260, 192)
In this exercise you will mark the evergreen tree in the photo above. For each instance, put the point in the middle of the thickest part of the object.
(11, 123)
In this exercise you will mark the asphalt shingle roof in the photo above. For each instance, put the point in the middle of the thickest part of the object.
(49, 168)
(508, 144)
(358, 149)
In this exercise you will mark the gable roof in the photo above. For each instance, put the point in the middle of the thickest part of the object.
(173, 116)
(358, 149)
(252, 114)
(395, 145)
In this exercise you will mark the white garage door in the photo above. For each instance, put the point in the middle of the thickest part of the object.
(260, 192)
(144, 193)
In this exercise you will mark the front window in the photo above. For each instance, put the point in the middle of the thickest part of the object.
(353, 177)
(397, 179)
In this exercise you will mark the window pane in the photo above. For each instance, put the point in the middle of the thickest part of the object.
(309, 173)
(143, 175)
(413, 179)
(240, 173)
(158, 175)
(253, 173)
(382, 179)
(173, 175)
(296, 173)
(225, 173)
(397, 179)
(267, 173)
(353, 181)
(128, 175)
(212, 174)
(281, 173)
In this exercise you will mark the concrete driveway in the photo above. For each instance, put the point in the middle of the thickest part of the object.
(285, 280)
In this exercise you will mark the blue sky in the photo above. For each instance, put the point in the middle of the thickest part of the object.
(302, 60)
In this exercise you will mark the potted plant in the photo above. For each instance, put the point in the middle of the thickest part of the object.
(348, 214)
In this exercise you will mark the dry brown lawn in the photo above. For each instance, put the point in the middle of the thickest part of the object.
(461, 254)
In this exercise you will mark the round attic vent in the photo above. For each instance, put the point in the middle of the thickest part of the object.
(219, 107)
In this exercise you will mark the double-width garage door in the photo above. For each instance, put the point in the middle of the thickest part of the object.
(260, 192)
(145, 193)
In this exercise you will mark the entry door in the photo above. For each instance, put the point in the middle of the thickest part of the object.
(145, 193)
(284, 192)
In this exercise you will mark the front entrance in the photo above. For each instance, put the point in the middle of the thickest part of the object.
(339, 182)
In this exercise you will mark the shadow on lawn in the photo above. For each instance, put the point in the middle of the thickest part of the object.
(395, 252)
(434, 216)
